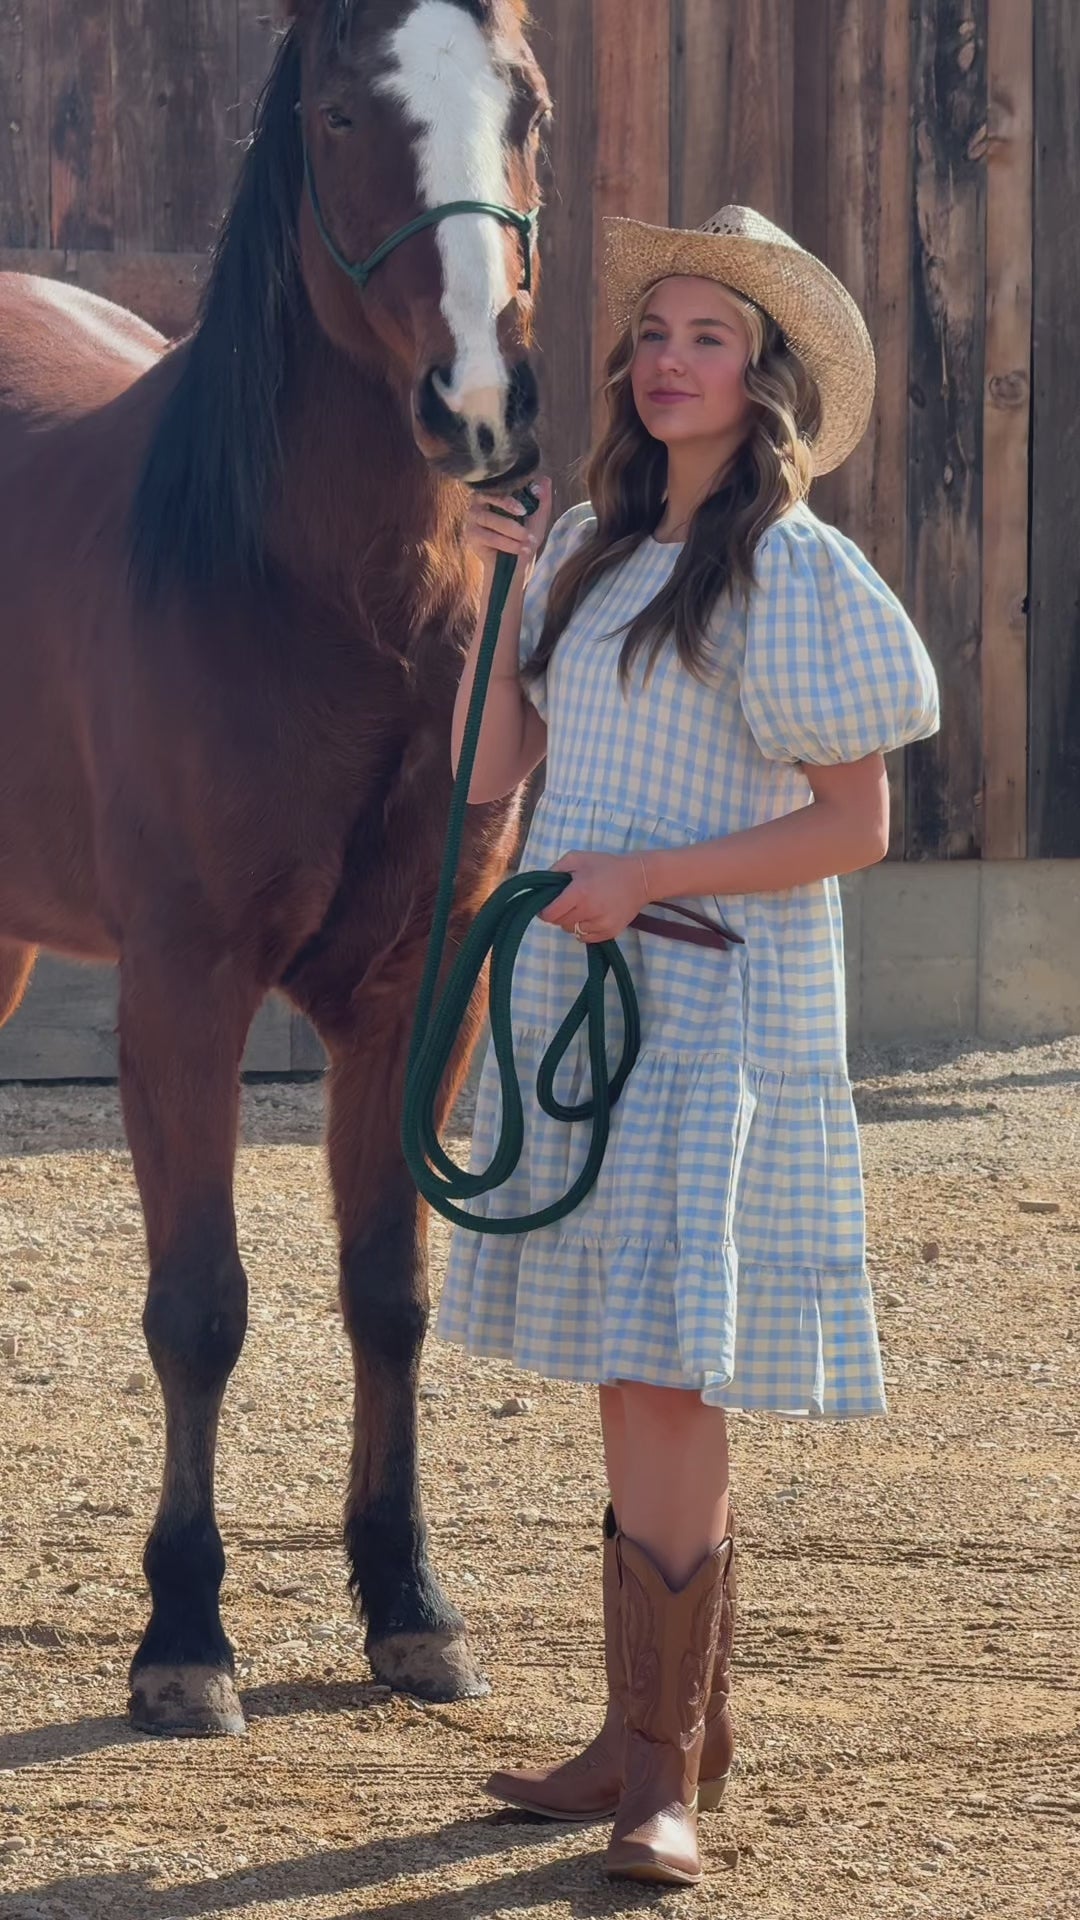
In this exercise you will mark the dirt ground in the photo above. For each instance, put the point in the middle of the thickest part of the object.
(908, 1666)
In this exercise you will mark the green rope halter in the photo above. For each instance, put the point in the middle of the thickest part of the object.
(360, 272)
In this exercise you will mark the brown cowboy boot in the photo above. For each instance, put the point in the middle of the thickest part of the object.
(719, 1749)
(587, 1787)
(669, 1647)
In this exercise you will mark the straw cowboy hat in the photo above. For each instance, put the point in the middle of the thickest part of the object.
(745, 252)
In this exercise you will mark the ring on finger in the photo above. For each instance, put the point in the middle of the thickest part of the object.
(579, 931)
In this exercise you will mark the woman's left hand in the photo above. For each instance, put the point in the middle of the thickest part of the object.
(606, 893)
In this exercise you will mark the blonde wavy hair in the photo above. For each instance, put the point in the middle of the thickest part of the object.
(627, 481)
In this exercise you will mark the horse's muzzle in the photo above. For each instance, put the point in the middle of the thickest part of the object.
(479, 437)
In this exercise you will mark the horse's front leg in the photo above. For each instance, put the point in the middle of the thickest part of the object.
(415, 1638)
(182, 1033)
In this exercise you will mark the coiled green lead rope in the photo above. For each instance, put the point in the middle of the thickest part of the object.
(498, 930)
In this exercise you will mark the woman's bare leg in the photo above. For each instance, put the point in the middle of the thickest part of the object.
(613, 1427)
(673, 1469)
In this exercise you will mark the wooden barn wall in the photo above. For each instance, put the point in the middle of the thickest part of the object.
(121, 123)
(906, 141)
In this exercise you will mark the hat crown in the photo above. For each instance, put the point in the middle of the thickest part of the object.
(742, 223)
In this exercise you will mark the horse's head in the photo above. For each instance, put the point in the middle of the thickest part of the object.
(409, 107)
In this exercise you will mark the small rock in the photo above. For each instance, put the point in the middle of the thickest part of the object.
(21, 1286)
(529, 1517)
(730, 1856)
(13, 1844)
(931, 1251)
(247, 1406)
(428, 1392)
(322, 1633)
(1038, 1206)
(136, 1383)
(9, 1345)
(517, 1403)
(894, 1300)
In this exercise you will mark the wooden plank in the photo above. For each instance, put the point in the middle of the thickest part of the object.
(176, 84)
(869, 247)
(66, 1028)
(1054, 750)
(258, 25)
(948, 64)
(733, 113)
(815, 54)
(81, 117)
(631, 77)
(24, 124)
(162, 288)
(1006, 402)
(812, 159)
(870, 198)
(561, 38)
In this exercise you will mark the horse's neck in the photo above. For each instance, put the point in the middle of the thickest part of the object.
(359, 517)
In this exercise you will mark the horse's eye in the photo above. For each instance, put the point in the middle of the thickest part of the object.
(337, 121)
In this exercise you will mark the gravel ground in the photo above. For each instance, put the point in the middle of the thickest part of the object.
(909, 1650)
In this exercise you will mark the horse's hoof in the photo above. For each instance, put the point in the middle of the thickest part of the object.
(184, 1702)
(433, 1666)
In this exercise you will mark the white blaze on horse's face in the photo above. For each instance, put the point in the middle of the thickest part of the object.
(445, 79)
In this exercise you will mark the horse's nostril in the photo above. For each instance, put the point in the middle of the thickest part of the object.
(434, 413)
(485, 440)
(522, 397)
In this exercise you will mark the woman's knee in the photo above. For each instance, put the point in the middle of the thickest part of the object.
(667, 1409)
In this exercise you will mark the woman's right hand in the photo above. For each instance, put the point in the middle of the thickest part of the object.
(488, 531)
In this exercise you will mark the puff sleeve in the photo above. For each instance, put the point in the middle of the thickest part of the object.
(569, 531)
(833, 668)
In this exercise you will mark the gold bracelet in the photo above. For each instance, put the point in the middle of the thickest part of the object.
(644, 875)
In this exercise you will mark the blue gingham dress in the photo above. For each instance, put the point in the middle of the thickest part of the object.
(723, 1248)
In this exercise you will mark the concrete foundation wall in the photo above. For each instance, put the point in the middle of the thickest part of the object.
(986, 948)
(989, 950)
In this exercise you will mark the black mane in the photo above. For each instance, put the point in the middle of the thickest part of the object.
(198, 512)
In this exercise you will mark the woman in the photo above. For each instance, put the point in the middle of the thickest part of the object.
(713, 676)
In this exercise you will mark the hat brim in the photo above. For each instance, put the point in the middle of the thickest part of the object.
(815, 312)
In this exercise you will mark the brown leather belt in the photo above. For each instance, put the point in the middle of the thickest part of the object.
(703, 933)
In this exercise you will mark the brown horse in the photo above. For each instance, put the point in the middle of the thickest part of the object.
(235, 600)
